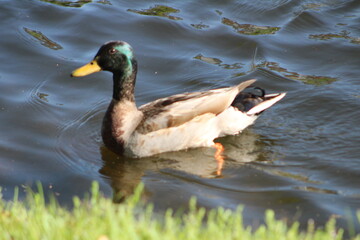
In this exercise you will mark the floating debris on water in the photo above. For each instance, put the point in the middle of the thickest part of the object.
(200, 26)
(328, 36)
(307, 79)
(45, 41)
(75, 4)
(159, 11)
(314, 6)
(43, 96)
(218, 62)
(250, 29)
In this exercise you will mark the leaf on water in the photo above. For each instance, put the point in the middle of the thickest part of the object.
(219, 12)
(218, 62)
(250, 29)
(199, 26)
(316, 190)
(45, 41)
(43, 96)
(208, 59)
(315, 80)
(307, 79)
(75, 4)
(159, 11)
(328, 36)
(314, 6)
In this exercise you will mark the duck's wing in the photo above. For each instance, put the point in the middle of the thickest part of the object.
(178, 109)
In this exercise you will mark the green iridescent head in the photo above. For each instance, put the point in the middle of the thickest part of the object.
(114, 56)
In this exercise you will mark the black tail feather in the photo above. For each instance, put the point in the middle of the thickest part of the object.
(248, 99)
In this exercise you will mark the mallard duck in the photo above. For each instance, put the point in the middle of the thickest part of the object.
(178, 122)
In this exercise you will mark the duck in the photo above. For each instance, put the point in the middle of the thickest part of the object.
(174, 123)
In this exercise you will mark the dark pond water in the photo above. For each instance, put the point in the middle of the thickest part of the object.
(301, 158)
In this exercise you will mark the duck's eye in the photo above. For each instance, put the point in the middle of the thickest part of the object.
(112, 50)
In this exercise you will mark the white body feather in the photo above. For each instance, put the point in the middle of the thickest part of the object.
(199, 132)
(194, 121)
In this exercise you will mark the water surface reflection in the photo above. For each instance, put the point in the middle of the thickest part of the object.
(125, 173)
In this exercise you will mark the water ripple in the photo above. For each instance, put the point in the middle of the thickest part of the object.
(78, 141)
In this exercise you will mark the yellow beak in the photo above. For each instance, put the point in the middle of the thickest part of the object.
(91, 67)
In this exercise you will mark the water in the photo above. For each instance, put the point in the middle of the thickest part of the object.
(301, 158)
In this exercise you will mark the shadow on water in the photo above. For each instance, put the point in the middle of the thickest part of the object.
(190, 165)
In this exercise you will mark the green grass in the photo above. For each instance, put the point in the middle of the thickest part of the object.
(99, 218)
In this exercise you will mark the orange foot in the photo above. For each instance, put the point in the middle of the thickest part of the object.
(219, 157)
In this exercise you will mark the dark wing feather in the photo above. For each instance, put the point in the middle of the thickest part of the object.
(178, 109)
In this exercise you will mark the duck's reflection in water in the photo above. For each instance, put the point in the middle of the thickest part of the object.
(126, 173)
